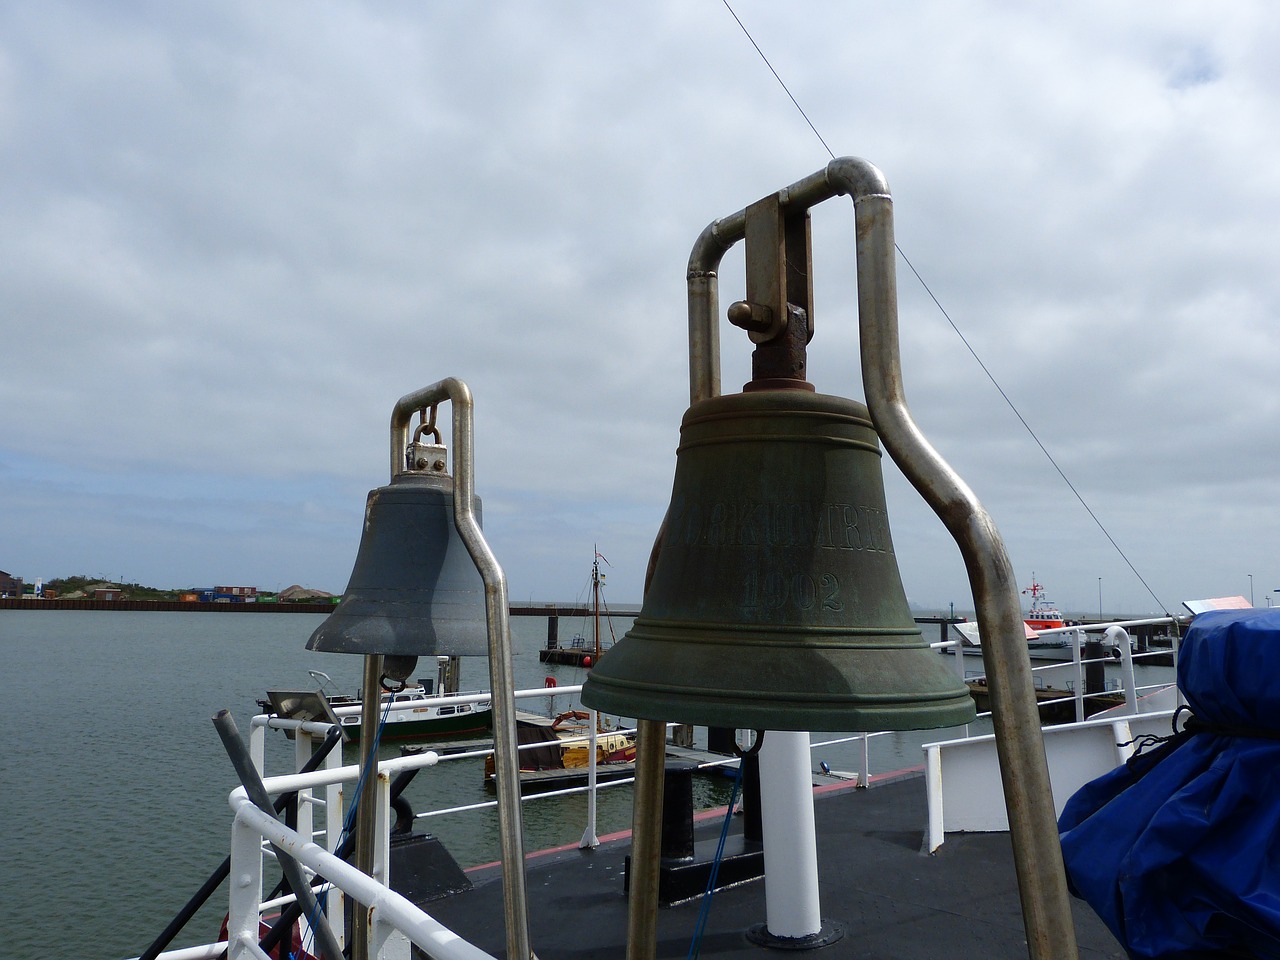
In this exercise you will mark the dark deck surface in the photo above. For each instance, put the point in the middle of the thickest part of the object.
(895, 902)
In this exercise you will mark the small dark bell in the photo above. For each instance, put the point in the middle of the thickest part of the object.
(415, 590)
(776, 602)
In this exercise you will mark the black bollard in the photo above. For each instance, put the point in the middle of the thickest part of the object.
(752, 826)
(722, 740)
(677, 811)
(686, 863)
(1095, 671)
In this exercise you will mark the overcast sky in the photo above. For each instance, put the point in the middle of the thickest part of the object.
(235, 233)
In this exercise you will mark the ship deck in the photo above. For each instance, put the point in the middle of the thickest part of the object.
(893, 900)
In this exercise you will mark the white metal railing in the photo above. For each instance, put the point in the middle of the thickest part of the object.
(1117, 637)
(392, 914)
(324, 793)
(962, 777)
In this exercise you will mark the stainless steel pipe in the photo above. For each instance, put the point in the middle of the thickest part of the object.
(497, 618)
(1024, 770)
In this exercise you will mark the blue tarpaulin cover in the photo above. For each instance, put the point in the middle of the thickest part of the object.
(1178, 851)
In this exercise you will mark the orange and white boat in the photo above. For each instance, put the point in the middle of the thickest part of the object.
(1043, 615)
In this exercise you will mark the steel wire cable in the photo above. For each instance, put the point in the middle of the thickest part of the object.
(963, 339)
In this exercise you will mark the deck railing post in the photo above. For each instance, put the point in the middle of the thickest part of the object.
(589, 839)
(304, 745)
(258, 746)
(1077, 641)
(246, 890)
(1120, 637)
(1174, 648)
(335, 903)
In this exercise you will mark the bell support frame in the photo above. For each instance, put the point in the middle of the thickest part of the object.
(1024, 770)
(497, 616)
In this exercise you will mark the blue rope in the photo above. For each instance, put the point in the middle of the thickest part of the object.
(704, 912)
(349, 821)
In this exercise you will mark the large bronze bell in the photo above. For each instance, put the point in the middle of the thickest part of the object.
(775, 602)
(415, 590)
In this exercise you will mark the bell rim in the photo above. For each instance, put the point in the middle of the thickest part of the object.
(656, 630)
(779, 710)
(791, 697)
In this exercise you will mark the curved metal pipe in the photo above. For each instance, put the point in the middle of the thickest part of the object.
(497, 616)
(840, 176)
(1024, 770)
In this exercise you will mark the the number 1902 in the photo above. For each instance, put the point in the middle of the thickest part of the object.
(774, 590)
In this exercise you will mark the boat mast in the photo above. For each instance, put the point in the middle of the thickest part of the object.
(595, 591)
(1037, 593)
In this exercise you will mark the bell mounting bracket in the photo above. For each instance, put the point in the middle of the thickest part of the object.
(421, 457)
(777, 313)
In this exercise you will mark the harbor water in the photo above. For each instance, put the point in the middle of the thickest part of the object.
(116, 782)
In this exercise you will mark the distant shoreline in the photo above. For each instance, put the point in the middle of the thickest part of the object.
(193, 606)
(164, 606)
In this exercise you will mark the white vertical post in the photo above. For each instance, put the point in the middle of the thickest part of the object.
(1120, 637)
(303, 745)
(258, 746)
(1077, 642)
(1181, 700)
(376, 932)
(933, 791)
(382, 842)
(790, 837)
(246, 890)
(333, 817)
(589, 839)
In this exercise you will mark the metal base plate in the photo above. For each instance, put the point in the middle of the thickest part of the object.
(832, 931)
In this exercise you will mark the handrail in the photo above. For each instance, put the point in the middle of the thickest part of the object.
(390, 769)
(332, 737)
(390, 909)
(394, 766)
(1095, 627)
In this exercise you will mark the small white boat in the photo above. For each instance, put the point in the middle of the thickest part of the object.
(413, 714)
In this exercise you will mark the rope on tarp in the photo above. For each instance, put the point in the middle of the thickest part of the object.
(1147, 746)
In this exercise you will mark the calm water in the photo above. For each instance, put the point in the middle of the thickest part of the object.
(116, 783)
